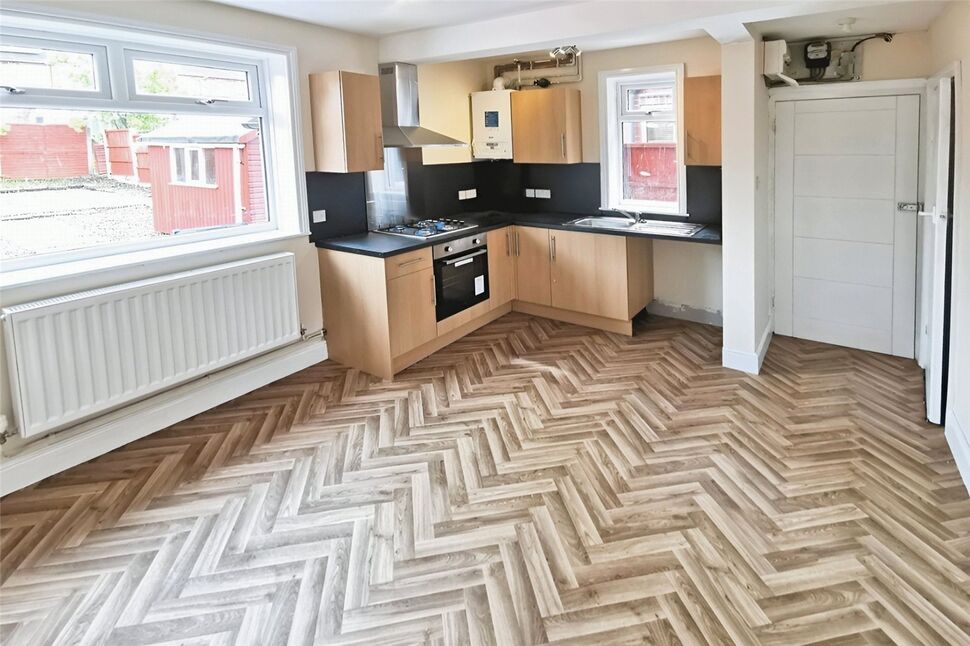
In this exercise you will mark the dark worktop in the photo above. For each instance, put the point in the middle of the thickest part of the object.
(382, 245)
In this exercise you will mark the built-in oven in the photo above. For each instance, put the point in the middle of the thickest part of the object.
(460, 274)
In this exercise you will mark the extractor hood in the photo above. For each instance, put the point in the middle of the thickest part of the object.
(399, 110)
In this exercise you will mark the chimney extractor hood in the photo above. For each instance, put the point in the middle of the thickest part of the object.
(399, 110)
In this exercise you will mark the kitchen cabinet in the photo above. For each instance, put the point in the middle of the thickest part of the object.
(589, 273)
(702, 120)
(411, 311)
(546, 126)
(532, 265)
(501, 267)
(593, 279)
(346, 118)
(380, 315)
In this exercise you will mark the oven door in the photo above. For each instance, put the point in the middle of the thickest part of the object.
(460, 282)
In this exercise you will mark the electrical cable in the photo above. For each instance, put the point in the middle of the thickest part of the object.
(886, 36)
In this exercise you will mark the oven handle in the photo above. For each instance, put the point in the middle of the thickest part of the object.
(468, 257)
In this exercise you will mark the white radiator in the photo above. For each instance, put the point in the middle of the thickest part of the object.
(77, 356)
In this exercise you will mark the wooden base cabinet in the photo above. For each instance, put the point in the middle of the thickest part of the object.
(501, 266)
(594, 279)
(533, 256)
(411, 311)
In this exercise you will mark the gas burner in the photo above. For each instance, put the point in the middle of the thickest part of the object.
(428, 228)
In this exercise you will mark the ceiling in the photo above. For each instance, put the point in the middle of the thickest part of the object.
(896, 18)
(384, 17)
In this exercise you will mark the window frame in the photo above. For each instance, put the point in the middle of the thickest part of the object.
(185, 150)
(276, 102)
(614, 113)
(99, 59)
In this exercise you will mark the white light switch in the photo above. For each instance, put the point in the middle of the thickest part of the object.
(319, 216)
(543, 193)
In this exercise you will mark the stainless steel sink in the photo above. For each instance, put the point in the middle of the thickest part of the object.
(667, 228)
(658, 227)
(604, 222)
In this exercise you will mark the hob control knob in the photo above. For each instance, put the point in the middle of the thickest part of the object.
(447, 249)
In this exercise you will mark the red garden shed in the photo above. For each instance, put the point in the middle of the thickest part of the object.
(207, 176)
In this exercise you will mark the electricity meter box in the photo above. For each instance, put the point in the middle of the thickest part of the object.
(492, 124)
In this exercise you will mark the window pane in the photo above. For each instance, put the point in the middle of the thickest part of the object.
(646, 100)
(190, 81)
(75, 179)
(650, 162)
(194, 165)
(27, 67)
(210, 166)
(179, 164)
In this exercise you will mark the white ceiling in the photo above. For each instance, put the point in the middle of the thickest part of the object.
(896, 18)
(383, 17)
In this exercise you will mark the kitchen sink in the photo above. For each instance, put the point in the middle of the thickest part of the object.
(658, 227)
(667, 228)
(604, 222)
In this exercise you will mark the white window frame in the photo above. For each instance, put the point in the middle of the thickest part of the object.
(184, 150)
(99, 57)
(275, 102)
(612, 113)
(252, 78)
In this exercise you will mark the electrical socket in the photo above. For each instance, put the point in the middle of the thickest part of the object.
(320, 215)
(468, 194)
(530, 192)
(543, 193)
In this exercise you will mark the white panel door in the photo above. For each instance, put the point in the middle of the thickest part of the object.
(845, 253)
(935, 222)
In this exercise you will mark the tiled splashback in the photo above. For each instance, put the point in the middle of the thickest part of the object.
(432, 191)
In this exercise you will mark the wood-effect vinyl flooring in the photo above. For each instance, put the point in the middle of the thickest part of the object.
(533, 482)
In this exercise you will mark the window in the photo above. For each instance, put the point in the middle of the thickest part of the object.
(642, 150)
(115, 140)
(193, 166)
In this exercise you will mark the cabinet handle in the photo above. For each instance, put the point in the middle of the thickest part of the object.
(562, 144)
(434, 294)
(409, 262)
(379, 144)
(517, 247)
(508, 243)
(552, 249)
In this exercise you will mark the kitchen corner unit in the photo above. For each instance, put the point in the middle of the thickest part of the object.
(382, 313)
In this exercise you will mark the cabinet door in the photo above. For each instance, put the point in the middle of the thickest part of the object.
(501, 267)
(410, 311)
(346, 117)
(702, 120)
(546, 126)
(589, 273)
(532, 265)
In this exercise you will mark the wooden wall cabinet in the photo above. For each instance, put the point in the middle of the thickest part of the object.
(546, 126)
(346, 117)
(702, 120)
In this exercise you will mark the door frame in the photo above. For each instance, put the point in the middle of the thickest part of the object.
(848, 90)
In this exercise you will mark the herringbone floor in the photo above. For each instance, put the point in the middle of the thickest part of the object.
(534, 482)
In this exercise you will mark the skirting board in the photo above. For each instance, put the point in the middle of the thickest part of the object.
(749, 362)
(60, 451)
(959, 441)
(685, 313)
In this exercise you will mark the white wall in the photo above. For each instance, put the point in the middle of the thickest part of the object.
(746, 220)
(949, 42)
(318, 49)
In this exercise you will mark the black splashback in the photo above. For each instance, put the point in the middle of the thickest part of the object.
(433, 192)
(344, 198)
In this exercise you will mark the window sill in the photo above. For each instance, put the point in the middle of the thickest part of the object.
(129, 260)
